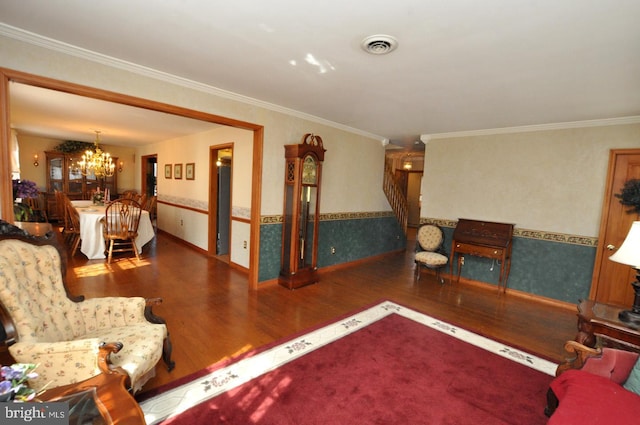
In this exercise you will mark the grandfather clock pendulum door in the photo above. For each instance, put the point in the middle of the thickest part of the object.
(303, 171)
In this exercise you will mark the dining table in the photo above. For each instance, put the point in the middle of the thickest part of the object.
(92, 242)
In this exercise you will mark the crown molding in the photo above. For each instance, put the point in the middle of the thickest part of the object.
(69, 49)
(527, 128)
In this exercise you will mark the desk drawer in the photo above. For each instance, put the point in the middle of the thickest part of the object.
(478, 250)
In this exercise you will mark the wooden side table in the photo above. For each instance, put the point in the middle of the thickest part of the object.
(598, 324)
(102, 399)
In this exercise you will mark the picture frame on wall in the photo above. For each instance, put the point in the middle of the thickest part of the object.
(190, 171)
(177, 171)
(167, 171)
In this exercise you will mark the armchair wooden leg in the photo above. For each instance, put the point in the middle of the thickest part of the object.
(167, 347)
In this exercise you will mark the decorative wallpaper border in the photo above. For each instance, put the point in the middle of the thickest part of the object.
(191, 203)
(526, 233)
(276, 219)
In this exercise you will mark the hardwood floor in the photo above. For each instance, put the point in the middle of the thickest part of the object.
(212, 315)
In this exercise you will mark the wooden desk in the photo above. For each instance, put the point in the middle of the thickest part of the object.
(101, 399)
(598, 324)
(483, 239)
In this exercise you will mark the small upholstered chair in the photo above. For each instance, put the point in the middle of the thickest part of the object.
(430, 250)
(72, 339)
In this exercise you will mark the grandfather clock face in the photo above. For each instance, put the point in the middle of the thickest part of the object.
(309, 170)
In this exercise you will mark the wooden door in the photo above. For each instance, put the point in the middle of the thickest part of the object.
(611, 281)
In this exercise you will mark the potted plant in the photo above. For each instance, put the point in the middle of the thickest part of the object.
(23, 189)
(630, 195)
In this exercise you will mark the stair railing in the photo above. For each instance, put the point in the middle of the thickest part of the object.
(397, 199)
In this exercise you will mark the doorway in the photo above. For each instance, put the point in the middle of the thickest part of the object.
(6, 204)
(149, 175)
(220, 177)
(611, 280)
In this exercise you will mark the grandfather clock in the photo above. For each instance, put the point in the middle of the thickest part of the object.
(302, 175)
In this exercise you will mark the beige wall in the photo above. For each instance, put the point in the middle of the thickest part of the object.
(352, 177)
(172, 193)
(540, 180)
(30, 145)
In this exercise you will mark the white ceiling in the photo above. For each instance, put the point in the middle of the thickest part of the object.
(460, 65)
(58, 115)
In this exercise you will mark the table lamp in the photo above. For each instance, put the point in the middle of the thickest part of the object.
(629, 254)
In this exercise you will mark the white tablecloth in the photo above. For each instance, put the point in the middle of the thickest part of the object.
(92, 244)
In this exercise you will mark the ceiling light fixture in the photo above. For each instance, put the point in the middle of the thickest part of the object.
(379, 44)
(97, 162)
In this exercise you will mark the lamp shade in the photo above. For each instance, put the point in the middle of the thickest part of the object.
(629, 252)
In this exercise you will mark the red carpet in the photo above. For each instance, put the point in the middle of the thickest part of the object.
(393, 371)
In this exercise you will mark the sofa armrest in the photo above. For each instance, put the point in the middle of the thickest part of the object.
(611, 363)
(580, 354)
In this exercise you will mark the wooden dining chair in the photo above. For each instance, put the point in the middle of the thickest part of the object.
(150, 207)
(73, 231)
(63, 203)
(120, 227)
(38, 208)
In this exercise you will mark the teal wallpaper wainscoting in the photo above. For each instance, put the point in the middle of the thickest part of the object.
(354, 236)
(551, 265)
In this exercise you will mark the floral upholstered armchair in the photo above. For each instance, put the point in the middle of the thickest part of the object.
(430, 250)
(71, 339)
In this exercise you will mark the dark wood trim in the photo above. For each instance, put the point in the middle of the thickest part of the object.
(6, 188)
(256, 202)
(240, 219)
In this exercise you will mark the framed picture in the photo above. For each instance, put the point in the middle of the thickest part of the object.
(167, 171)
(177, 171)
(190, 171)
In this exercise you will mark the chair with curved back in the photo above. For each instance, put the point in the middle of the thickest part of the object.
(150, 207)
(430, 251)
(70, 338)
(120, 226)
(38, 208)
(61, 210)
(73, 230)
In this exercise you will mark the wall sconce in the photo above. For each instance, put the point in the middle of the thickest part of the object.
(120, 164)
(407, 165)
(35, 160)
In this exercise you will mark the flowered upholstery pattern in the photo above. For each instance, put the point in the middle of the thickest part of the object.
(429, 251)
(63, 336)
(429, 238)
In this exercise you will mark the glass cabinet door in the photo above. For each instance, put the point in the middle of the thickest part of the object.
(56, 174)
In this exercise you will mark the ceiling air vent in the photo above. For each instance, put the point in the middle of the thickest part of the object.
(379, 44)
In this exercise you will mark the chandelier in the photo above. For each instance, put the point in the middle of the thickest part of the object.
(97, 162)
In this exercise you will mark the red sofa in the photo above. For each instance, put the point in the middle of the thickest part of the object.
(589, 389)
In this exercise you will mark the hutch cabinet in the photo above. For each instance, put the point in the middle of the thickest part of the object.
(301, 218)
(63, 176)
